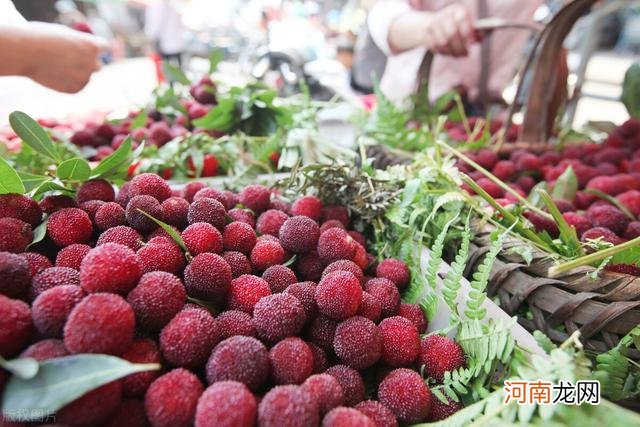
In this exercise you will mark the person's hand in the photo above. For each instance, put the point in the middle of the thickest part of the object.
(62, 59)
(449, 31)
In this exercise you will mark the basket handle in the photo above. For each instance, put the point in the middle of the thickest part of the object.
(488, 24)
(540, 106)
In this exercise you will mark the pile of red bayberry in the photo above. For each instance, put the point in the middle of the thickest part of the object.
(304, 313)
(612, 168)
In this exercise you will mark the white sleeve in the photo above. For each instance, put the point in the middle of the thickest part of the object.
(9, 15)
(380, 18)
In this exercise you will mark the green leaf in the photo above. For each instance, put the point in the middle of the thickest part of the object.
(33, 135)
(568, 233)
(220, 117)
(214, 59)
(174, 74)
(10, 181)
(290, 261)
(114, 160)
(62, 380)
(566, 185)
(534, 196)
(140, 120)
(39, 232)
(24, 367)
(75, 169)
(50, 185)
(410, 191)
(31, 180)
(631, 90)
(166, 227)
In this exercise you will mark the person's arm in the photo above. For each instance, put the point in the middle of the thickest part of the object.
(52, 55)
(448, 31)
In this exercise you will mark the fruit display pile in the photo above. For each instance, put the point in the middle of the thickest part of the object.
(259, 311)
(604, 199)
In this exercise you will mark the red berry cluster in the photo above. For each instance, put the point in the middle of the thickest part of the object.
(289, 345)
(612, 167)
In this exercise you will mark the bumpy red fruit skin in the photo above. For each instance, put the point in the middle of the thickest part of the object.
(351, 382)
(336, 212)
(414, 313)
(338, 295)
(191, 188)
(326, 390)
(91, 207)
(322, 331)
(45, 350)
(171, 399)
(100, 323)
(633, 230)
(310, 267)
(207, 210)
(299, 234)
(330, 224)
(208, 277)
(15, 326)
(239, 358)
(174, 211)
(130, 413)
(386, 293)
(370, 307)
(309, 206)
(226, 404)
(278, 316)
(439, 354)
(358, 342)
(21, 207)
(242, 215)
(140, 351)
(336, 244)
(202, 237)
(52, 277)
(400, 341)
(305, 292)
(291, 361)
(579, 222)
(72, 256)
(631, 200)
(92, 408)
(158, 297)
(504, 170)
(210, 193)
(320, 358)
(600, 232)
(161, 256)
(343, 416)
(123, 235)
(609, 217)
(15, 235)
(266, 253)
(493, 189)
(394, 270)
(270, 222)
(379, 414)
(246, 291)
(188, 338)
(109, 268)
(279, 277)
(404, 392)
(287, 406)
(52, 307)
(15, 274)
(96, 189)
(255, 197)
(240, 237)
(440, 410)
(151, 185)
(345, 265)
(68, 226)
(137, 219)
(37, 262)
(233, 322)
(238, 262)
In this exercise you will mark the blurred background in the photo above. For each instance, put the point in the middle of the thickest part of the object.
(324, 43)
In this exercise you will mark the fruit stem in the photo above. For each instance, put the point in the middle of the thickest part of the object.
(495, 179)
(591, 258)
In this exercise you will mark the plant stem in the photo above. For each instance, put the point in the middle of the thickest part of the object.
(594, 257)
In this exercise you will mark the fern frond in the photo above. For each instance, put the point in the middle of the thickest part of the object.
(451, 284)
